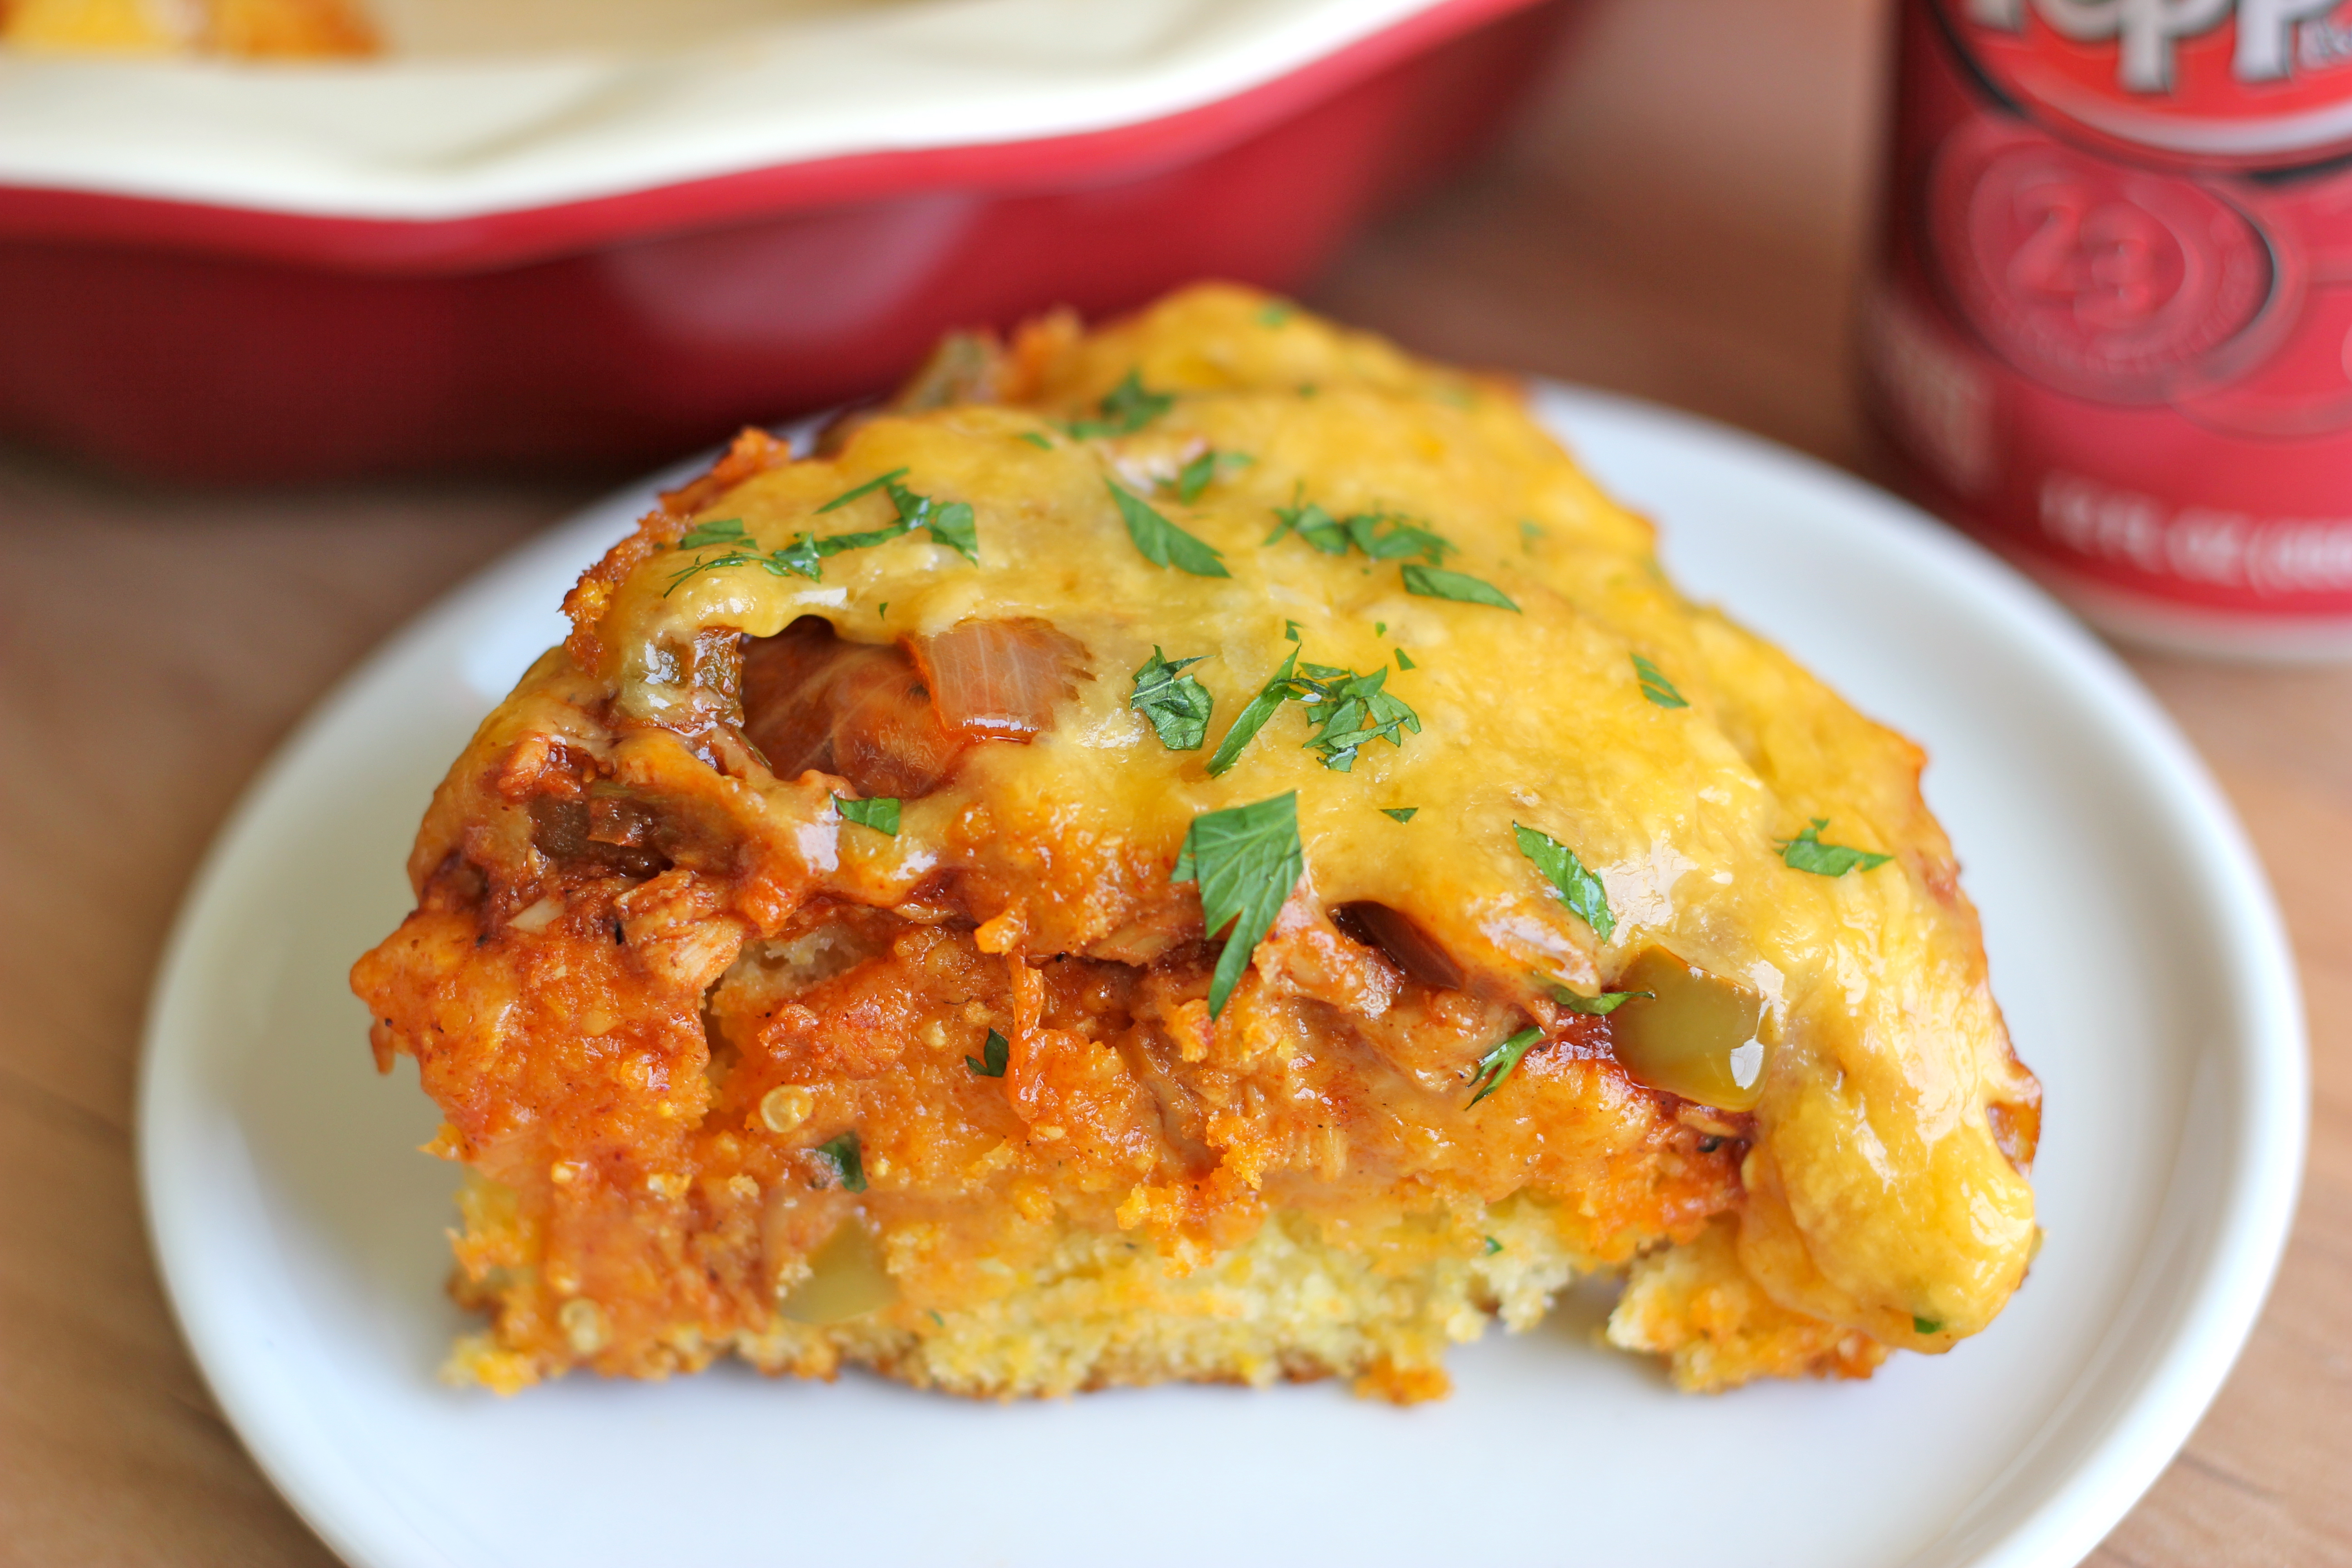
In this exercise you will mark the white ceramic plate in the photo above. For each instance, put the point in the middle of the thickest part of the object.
(2135, 948)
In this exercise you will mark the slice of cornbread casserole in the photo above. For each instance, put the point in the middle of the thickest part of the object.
(1203, 850)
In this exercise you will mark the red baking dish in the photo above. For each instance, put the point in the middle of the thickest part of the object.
(218, 342)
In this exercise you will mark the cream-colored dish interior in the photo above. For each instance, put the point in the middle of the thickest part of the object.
(479, 108)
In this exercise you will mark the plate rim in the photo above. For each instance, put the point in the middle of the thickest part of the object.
(2152, 1421)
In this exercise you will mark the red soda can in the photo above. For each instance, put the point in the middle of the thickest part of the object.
(2111, 331)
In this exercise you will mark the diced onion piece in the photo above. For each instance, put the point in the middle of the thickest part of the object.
(859, 710)
(998, 680)
(848, 1279)
(1694, 1035)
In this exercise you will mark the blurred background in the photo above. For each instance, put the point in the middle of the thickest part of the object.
(238, 447)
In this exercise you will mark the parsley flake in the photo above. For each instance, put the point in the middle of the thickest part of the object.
(1246, 859)
(1177, 705)
(1580, 891)
(1380, 536)
(1920, 1325)
(848, 1160)
(1656, 686)
(1528, 533)
(867, 488)
(1274, 315)
(1436, 583)
(718, 531)
(1401, 813)
(1037, 440)
(880, 812)
(1404, 660)
(993, 1052)
(1126, 408)
(1270, 696)
(1194, 477)
(1806, 852)
(1316, 526)
(1162, 543)
(1493, 1246)
(1608, 1002)
(952, 525)
(1346, 711)
(1197, 474)
(791, 558)
(1351, 710)
(1379, 628)
(1500, 1062)
(1290, 631)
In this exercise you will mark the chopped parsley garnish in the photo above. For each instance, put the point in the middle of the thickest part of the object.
(1201, 472)
(1401, 813)
(1656, 686)
(1379, 628)
(1499, 1063)
(1528, 533)
(952, 525)
(1194, 477)
(1316, 526)
(1806, 852)
(1274, 315)
(880, 812)
(835, 544)
(1246, 859)
(796, 559)
(1349, 710)
(718, 531)
(1162, 543)
(1126, 408)
(1382, 536)
(1436, 583)
(1579, 889)
(1313, 524)
(1608, 1002)
(1270, 696)
(867, 488)
(848, 1160)
(1177, 705)
(993, 1052)
(1404, 660)
(1920, 1325)
(1493, 1246)
(1036, 440)
(1290, 631)
(1346, 712)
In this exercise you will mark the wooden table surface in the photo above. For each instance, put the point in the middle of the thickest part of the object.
(1682, 218)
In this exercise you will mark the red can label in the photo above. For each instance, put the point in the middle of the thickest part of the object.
(2204, 83)
(2113, 331)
